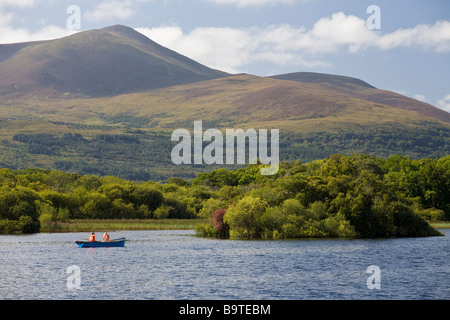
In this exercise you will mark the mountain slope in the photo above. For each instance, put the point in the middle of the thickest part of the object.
(336, 82)
(245, 101)
(360, 89)
(103, 62)
(129, 135)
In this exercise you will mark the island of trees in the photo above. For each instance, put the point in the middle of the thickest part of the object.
(341, 196)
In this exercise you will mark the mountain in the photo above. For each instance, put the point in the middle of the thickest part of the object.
(337, 82)
(360, 89)
(107, 101)
(103, 62)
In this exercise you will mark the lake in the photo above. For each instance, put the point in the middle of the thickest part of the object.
(178, 265)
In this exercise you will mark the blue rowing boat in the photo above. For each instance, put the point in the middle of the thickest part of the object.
(92, 244)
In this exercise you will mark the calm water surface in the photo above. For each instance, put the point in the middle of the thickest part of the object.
(178, 265)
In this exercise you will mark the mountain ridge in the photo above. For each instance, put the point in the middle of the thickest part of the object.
(361, 89)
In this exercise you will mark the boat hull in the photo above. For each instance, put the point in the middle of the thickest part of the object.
(94, 244)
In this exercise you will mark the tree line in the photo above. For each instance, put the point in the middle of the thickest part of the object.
(340, 196)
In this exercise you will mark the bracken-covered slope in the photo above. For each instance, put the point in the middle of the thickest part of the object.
(360, 89)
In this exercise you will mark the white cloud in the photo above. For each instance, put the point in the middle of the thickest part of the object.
(9, 34)
(444, 103)
(435, 37)
(246, 3)
(231, 49)
(17, 3)
(331, 33)
(111, 10)
(285, 44)
(420, 97)
(222, 48)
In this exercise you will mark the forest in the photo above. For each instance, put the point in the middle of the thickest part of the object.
(141, 155)
(357, 196)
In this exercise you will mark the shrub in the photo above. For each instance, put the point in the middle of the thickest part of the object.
(243, 218)
(222, 228)
(162, 212)
(205, 230)
(409, 224)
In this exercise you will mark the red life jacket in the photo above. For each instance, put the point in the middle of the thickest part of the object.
(92, 238)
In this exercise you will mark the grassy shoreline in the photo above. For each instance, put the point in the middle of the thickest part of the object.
(440, 224)
(101, 225)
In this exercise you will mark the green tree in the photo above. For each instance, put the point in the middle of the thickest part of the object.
(146, 195)
(19, 206)
(243, 218)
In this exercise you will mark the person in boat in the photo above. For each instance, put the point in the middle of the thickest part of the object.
(92, 237)
(106, 236)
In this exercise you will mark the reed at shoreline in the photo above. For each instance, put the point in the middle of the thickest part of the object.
(93, 225)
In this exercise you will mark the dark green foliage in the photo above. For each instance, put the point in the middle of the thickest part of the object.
(428, 140)
(341, 196)
(353, 196)
(103, 155)
(141, 155)
(18, 210)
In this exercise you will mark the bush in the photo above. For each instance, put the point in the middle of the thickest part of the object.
(409, 224)
(50, 214)
(162, 212)
(338, 226)
(205, 230)
(222, 228)
(243, 218)
(25, 224)
(18, 210)
(432, 214)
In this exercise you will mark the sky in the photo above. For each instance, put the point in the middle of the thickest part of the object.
(396, 45)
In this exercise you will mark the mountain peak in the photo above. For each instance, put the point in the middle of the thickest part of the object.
(125, 31)
(100, 62)
(119, 28)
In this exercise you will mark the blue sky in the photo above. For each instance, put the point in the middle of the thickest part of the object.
(409, 53)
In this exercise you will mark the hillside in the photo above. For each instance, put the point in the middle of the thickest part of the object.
(360, 89)
(103, 62)
(118, 120)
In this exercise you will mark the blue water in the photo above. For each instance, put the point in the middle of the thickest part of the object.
(179, 265)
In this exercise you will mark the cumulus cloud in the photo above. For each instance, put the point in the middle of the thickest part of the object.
(278, 44)
(231, 49)
(247, 3)
(111, 10)
(444, 103)
(9, 34)
(435, 37)
(17, 3)
(286, 44)
(420, 97)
